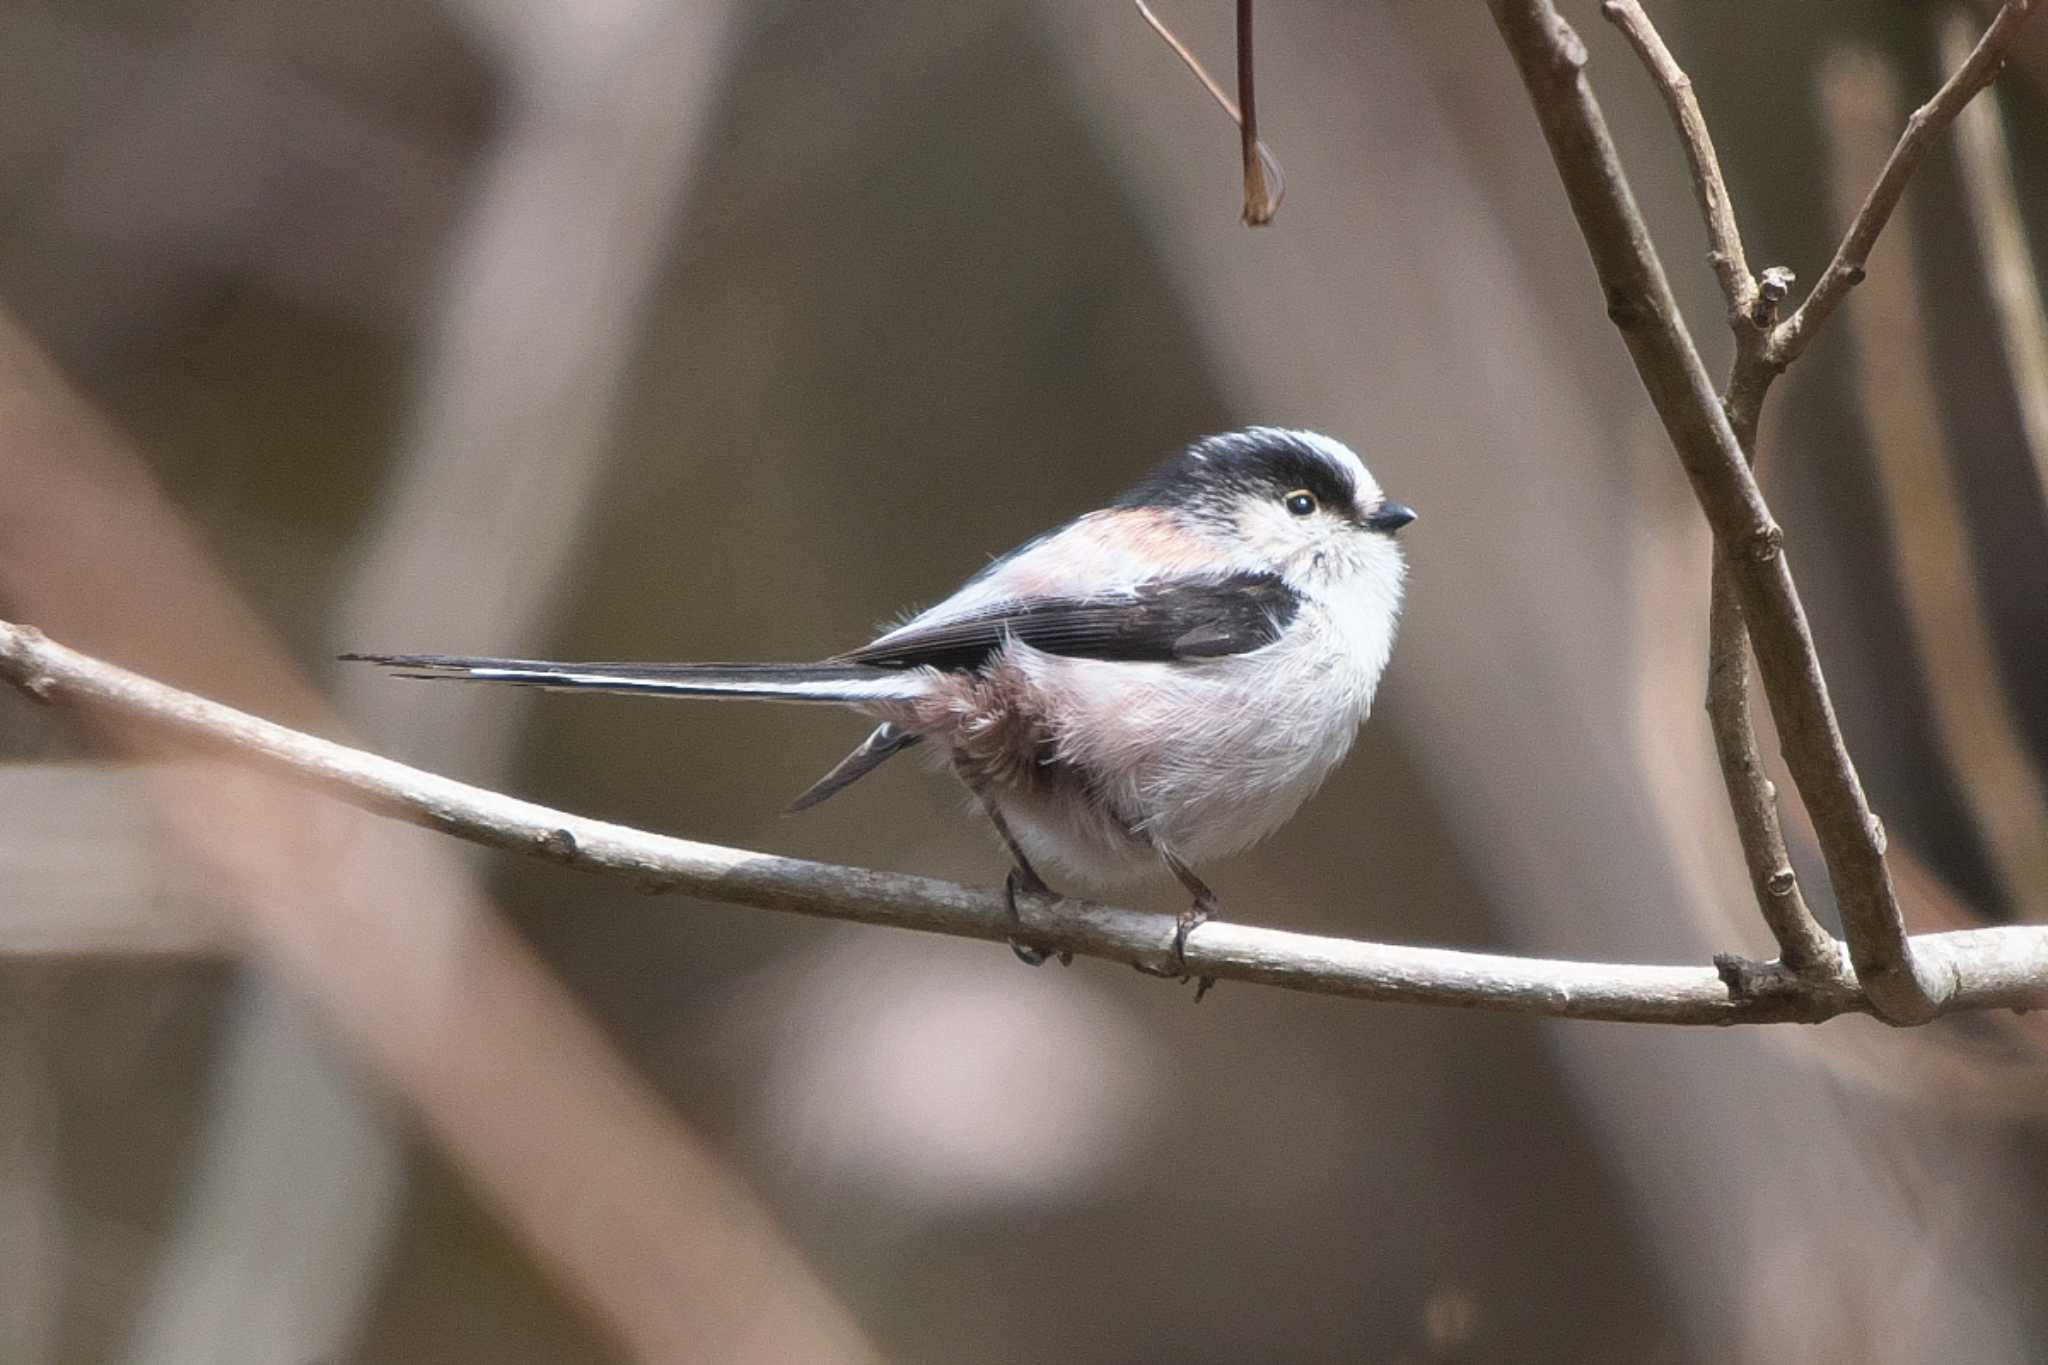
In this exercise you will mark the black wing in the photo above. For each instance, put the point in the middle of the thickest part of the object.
(1162, 621)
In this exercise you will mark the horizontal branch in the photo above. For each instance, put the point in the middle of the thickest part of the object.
(1983, 969)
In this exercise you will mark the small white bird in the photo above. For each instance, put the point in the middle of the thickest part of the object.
(1154, 685)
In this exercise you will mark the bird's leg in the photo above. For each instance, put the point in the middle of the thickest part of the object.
(1203, 907)
(1023, 877)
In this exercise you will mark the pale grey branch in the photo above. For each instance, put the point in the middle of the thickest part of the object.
(1979, 969)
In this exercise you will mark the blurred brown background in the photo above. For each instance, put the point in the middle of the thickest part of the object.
(684, 328)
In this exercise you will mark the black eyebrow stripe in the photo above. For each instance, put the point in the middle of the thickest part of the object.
(1262, 462)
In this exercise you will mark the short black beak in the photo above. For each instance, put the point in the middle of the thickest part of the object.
(1390, 517)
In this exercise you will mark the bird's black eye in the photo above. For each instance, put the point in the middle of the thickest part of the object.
(1302, 503)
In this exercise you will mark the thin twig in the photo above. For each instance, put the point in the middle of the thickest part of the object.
(1268, 168)
(1927, 123)
(1752, 797)
(1752, 308)
(1258, 207)
(2015, 288)
(1802, 944)
(1724, 238)
(1982, 969)
(1551, 60)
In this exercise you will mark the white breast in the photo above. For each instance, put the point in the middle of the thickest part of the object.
(1214, 755)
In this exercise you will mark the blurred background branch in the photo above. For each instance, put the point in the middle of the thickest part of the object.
(387, 934)
(502, 452)
(1919, 483)
(1993, 199)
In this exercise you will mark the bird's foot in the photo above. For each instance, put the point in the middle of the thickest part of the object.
(1176, 968)
(1023, 879)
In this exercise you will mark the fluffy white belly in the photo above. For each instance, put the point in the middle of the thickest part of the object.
(1201, 760)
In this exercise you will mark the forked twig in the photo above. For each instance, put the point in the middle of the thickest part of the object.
(1845, 271)
(1752, 307)
(1764, 346)
(1551, 60)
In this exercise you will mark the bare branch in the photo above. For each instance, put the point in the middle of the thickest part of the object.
(1260, 208)
(1927, 123)
(1551, 59)
(1982, 969)
(1752, 308)
(1803, 945)
(1752, 797)
(1724, 239)
(1760, 357)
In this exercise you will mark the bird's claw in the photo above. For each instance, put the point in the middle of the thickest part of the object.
(1030, 954)
(1176, 969)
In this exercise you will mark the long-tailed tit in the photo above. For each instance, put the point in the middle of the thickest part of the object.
(1152, 686)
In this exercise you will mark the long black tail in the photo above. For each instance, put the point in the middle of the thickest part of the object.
(840, 684)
